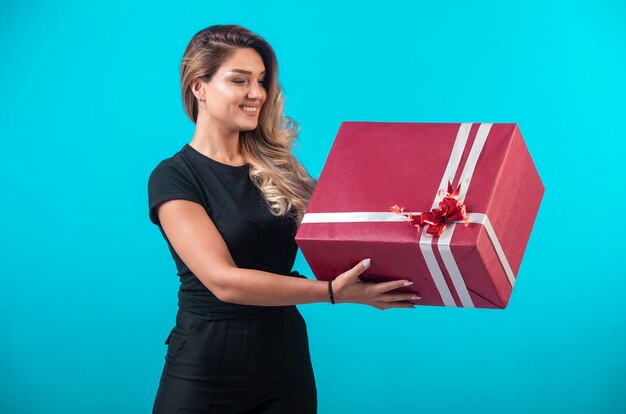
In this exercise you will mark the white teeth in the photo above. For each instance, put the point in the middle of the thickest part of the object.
(248, 108)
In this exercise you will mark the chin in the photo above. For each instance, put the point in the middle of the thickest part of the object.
(249, 128)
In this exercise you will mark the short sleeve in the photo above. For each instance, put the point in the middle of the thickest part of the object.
(167, 182)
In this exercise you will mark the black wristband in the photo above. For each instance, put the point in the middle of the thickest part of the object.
(330, 292)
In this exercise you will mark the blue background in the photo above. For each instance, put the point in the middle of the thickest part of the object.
(90, 103)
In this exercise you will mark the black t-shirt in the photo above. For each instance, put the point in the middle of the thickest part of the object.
(255, 238)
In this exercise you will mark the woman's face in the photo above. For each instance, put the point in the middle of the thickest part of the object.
(236, 92)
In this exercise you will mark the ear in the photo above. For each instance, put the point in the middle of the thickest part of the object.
(197, 87)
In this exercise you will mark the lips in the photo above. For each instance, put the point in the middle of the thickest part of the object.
(250, 110)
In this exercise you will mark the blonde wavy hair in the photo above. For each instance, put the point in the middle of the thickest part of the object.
(284, 182)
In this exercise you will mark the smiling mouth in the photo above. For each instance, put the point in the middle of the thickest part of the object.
(249, 110)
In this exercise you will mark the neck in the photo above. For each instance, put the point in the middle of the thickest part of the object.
(216, 142)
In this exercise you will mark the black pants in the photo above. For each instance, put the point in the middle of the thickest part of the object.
(251, 364)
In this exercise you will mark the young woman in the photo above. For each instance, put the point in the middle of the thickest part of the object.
(228, 205)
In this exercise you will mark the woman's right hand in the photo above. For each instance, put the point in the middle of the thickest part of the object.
(348, 288)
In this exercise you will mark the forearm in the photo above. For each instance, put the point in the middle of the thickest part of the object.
(255, 287)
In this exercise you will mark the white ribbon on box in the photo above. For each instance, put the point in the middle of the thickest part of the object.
(426, 239)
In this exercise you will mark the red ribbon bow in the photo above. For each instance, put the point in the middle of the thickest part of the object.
(450, 208)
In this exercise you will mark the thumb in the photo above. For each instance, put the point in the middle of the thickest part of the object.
(352, 274)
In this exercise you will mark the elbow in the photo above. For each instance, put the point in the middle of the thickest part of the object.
(223, 294)
(219, 282)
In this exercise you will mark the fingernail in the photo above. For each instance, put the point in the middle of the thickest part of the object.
(366, 262)
(415, 297)
(408, 283)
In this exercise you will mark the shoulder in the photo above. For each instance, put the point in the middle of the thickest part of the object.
(170, 179)
(172, 171)
(173, 165)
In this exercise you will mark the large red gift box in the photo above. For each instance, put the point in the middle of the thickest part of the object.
(373, 166)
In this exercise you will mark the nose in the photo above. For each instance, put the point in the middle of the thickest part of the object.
(255, 92)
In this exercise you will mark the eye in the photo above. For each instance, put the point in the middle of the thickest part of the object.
(242, 81)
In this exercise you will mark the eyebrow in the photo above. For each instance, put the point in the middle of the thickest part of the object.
(243, 71)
